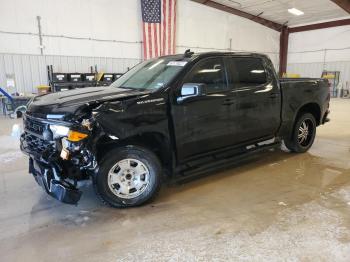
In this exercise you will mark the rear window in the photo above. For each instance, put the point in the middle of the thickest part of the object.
(247, 72)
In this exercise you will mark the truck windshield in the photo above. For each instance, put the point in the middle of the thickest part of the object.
(150, 74)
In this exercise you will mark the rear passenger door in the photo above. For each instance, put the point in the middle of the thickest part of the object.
(257, 99)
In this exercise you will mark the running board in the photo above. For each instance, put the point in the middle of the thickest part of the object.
(216, 163)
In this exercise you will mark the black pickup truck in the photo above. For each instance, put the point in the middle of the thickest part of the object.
(167, 118)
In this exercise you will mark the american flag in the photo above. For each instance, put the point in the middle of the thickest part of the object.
(159, 27)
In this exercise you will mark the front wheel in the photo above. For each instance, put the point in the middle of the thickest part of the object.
(128, 176)
(303, 135)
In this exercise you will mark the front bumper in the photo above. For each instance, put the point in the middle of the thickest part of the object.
(47, 173)
(46, 176)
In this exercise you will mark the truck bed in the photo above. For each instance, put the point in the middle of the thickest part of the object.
(297, 92)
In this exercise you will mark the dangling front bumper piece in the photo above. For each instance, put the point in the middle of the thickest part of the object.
(46, 176)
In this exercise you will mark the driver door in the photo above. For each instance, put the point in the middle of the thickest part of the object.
(201, 122)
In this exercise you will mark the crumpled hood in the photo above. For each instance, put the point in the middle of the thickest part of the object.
(70, 101)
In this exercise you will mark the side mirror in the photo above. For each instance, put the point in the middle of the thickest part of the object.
(190, 90)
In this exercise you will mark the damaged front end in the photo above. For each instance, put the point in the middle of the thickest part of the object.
(60, 155)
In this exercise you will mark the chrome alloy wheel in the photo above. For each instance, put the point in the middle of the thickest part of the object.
(128, 178)
(305, 132)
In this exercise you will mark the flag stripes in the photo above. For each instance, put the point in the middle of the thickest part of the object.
(158, 34)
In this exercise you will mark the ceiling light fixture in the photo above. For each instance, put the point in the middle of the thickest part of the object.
(295, 11)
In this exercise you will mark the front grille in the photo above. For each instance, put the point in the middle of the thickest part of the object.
(34, 126)
(34, 136)
(35, 144)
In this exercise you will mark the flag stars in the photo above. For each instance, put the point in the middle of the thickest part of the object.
(151, 11)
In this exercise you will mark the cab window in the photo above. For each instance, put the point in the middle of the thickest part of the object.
(247, 72)
(210, 72)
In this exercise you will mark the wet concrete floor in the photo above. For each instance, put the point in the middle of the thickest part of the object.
(276, 207)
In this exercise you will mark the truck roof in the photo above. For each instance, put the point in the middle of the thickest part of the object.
(193, 56)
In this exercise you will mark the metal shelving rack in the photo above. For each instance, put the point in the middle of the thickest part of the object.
(68, 81)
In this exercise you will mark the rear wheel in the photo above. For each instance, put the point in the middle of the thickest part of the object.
(128, 176)
(303, 135)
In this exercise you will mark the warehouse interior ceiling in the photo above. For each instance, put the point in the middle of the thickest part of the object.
(277, 10)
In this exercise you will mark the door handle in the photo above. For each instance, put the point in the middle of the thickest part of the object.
(274, 95)
(228, 102)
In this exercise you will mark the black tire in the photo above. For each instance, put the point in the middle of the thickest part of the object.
(296, 144)
(101, 179)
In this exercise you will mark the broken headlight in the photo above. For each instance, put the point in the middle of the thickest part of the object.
(71, 143)
(59, 131)
(76, 136)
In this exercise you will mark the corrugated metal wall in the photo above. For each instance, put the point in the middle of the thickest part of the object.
(315, 69)
(30, 70)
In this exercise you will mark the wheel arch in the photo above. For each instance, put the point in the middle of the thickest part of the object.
(312, 108)
(156, 142)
